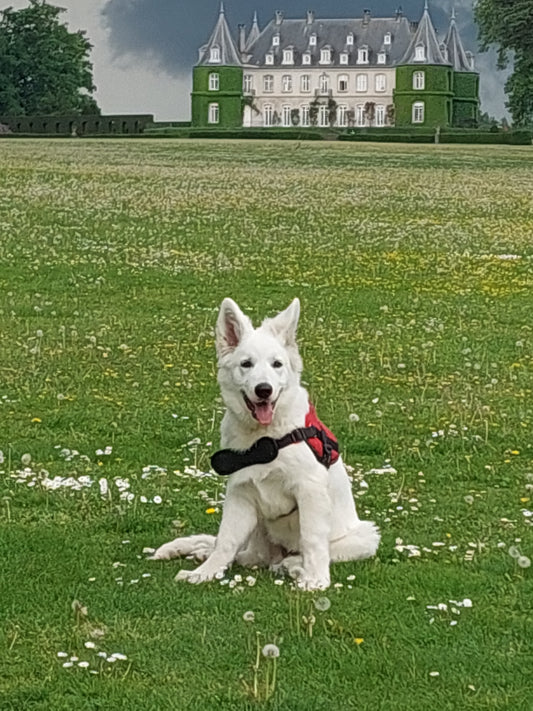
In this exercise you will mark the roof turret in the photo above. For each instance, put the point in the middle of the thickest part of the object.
(456, 51)
(220, 49)
(424, 47)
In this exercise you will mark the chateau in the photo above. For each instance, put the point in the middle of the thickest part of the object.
(367, 71)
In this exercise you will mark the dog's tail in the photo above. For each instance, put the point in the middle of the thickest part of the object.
(360, 542)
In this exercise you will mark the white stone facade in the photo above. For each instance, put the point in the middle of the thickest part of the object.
(321, 96)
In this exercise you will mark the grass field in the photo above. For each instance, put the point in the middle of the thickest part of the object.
(414, 266)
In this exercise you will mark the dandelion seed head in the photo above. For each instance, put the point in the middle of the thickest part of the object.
(354, 417)
(514, 552)
(26, 459)
(523, 561)
(270, 650)
(322, 604)
(249, 616)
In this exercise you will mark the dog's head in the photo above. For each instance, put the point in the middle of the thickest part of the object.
(257, 367)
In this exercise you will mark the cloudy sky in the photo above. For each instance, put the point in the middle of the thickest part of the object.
(144, 49)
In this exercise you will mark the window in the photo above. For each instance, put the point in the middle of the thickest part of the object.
(275, 41)
(323, 86)
(419, 80)
(349, 39)
(305, 83)
(268, 115)
(304, 116)
(268, 83)
(286, 83)
(342, 116)
(362, 55)
(361, 82)
(288, 56)
(325, 56)
(387, 39)
(420, 53)
(214, 82)
(380, 115)
(306, 58)
(248, 83)
(286, 116)
(214, 113)
(312, 40)
(418, 112)
(323, 116)
(344, 57)
(343, 82)
(382, 58)
(360, 115)
(381, 82)
(269, 58)
(214, 55)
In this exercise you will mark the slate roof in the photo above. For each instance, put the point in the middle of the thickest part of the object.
(332, 33)
(221, 38)
(456, 51)
(367, 31)
(425, 35)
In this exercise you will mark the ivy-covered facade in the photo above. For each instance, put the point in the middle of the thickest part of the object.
(369, 71)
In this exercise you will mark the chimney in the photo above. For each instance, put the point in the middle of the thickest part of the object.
(366, 17)
(279, 17)
(242, 38)
(399, 13)
(310, 17)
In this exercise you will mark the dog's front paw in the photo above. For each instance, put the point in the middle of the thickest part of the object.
(200, 575)
(310, 582)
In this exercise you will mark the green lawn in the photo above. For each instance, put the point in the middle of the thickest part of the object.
(414, 266)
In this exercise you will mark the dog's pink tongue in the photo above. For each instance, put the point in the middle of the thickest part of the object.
(264, 413)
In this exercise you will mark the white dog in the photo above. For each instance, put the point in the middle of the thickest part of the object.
(289, 512)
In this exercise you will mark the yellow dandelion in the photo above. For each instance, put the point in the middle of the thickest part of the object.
(524, 499)
(36, 419)
(359, 640)
(210, 511)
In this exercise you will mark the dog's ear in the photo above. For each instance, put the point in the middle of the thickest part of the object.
(231, 326)
(285, 324)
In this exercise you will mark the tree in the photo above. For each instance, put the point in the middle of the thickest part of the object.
(44, 68)
(507, 24)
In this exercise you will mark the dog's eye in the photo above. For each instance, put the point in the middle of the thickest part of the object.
(277, 364)
(247, 363)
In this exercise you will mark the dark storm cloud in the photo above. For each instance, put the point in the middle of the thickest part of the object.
(169, 32)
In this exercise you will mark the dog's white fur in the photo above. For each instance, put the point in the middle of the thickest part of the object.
(293, 514)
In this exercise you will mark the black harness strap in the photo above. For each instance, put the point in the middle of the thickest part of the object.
(265, 450)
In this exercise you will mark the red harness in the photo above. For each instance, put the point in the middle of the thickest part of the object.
(315, 434)
(325, 446)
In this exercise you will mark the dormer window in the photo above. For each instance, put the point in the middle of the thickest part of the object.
(269, 58)
(349, 39)
(420, 53)
(312, 40)
(362, 55)
(325, 56)
(387, 39)
(275, 41)
(382, 58)
(214, 54)
(306, 58)
(344, 57)
(288, 56)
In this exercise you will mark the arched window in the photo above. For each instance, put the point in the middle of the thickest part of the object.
(214, 113)
(268, 115)
(419, 80)
(418, 112)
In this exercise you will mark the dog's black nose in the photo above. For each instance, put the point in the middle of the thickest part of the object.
(263, 391)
